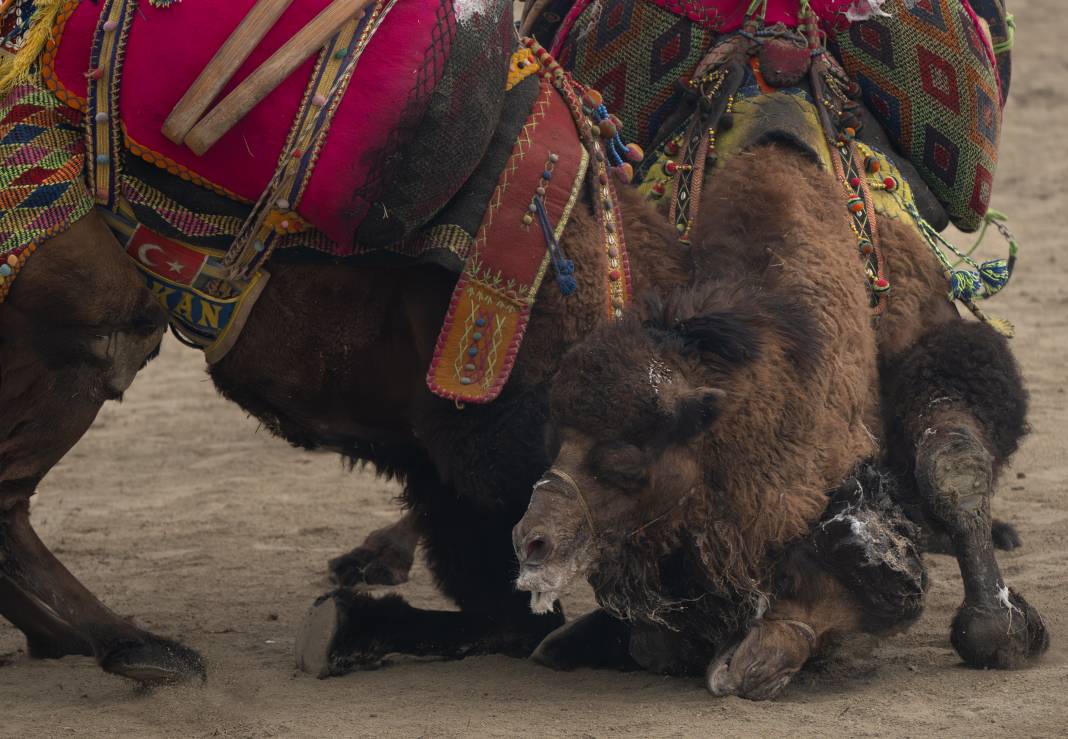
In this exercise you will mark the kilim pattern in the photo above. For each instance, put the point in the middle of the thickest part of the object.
(42, 157)
(633, 52)
(927, 75)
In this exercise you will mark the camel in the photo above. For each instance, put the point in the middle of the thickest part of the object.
(695, 444)
(334, 356)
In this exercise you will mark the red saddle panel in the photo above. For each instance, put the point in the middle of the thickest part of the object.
(168, 47)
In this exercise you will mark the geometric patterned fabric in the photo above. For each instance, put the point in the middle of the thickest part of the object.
(42, 191)
(632, 52)
(927, 74)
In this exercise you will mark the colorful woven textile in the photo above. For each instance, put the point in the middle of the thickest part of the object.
(42, 192)
(1002, 32)
(382, 112)
(927, 73)
(723, 16)
(633, 52)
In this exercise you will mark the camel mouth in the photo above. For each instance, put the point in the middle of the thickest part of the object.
(543, 601)
(543, 587)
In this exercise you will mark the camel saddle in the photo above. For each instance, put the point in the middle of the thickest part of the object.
(378, 98)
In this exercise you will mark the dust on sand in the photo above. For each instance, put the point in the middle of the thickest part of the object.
(176, 509)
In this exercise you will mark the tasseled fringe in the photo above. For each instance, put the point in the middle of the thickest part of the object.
(20, 68)
(563, 267)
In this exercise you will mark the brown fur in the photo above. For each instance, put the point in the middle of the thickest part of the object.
(797, 416)
(699, 438)
(335, 355)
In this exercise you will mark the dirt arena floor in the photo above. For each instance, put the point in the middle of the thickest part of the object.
(176, 509)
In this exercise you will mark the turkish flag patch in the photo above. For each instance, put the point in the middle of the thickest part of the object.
(168, 259)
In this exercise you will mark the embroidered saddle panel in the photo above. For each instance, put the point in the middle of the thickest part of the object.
(926, 72)
(165, 49)
(42, 157)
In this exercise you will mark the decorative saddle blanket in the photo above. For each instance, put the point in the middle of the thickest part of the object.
(774, 83)
(925, 68)
(383, 85)
(181, 218)
(42, 189)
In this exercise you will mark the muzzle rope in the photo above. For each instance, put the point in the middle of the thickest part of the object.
(570, 482)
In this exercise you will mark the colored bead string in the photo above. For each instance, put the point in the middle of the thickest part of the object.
(603, 195)
(563, 267)
(473, 356)
(10, 267)
(621, 156)
(862, 215)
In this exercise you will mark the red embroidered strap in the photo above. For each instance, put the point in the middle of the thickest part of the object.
(491, 303)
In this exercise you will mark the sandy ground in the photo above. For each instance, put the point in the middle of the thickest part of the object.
(177, 509)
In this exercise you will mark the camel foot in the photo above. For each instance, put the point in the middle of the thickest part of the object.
(153, 660)
(372, 565)
(1005, 637)
(762, 665)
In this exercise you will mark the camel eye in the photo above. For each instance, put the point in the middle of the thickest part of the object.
(619, 464)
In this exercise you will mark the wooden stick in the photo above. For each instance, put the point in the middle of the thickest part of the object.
(270, 74)
(230, 56)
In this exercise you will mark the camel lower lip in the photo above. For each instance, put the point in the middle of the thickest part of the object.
(542, 601)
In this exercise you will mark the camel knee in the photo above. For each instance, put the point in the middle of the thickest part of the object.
(79, 306)
(959, 375)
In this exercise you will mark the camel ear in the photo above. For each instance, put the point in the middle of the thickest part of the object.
(730, 337)
(696, 410)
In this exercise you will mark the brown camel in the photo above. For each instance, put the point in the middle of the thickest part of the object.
(334, 356)
(695, 443)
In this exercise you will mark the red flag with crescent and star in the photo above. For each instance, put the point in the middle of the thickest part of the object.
(168, 259)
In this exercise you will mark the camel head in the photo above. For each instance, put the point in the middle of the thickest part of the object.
(631, 406)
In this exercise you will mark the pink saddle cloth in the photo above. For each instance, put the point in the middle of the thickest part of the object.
(724, 16)
(168, 47)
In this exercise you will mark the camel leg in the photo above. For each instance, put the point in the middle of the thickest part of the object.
(61, 617)
(77, 326)
(959, 413)
(466, 497)
(778, 645)
(597, 639)
(346, 630)
(384, 558)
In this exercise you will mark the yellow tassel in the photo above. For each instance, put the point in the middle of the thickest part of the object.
(1003, 327)
(21, 67)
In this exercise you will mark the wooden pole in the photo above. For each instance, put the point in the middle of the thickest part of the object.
(270, 74)
(230, 56)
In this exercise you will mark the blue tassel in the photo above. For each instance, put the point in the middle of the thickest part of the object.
(995, 275)
(563, 268)
(567, 284)
(964, 285)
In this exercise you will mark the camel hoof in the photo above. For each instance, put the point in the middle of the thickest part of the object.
(762, 665)
(755, 680)
(1004, 638)
(154, 661)
(719, 680)
(315, 640)
(371, 565)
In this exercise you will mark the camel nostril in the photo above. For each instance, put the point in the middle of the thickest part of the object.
(536, 550)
